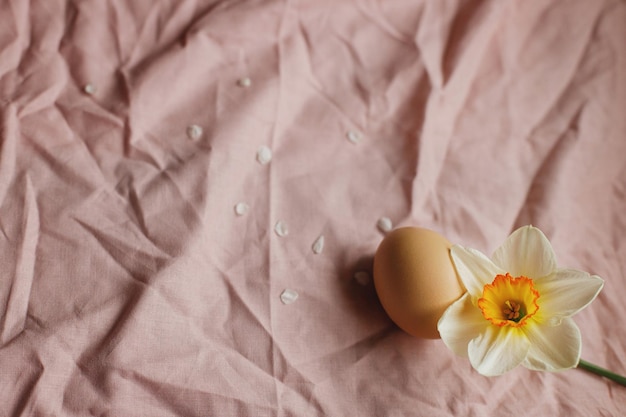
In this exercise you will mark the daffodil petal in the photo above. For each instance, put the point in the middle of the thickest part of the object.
(528, 252)
(474, 268)
(566, 292)
(553, 348)
(498, 350)
(460, 323)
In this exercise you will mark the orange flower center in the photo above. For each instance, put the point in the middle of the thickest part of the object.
(509, 301)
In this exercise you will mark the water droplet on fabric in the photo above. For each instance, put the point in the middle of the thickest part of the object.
(244, 82)
(384, 224)
(89, 89)
(362, 277)
(288, 296)
(318, 245)
(241, 209)
(264, 155)
(194, 132)
(354, 136)
(281, 228)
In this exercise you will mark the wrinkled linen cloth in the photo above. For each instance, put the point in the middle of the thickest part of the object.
(191, 194)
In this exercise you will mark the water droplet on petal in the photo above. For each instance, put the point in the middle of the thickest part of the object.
(384, 224)
(281, 228)
(194, 132)
(264, 155)
(241, 209)
(318, 245)
(288, 296)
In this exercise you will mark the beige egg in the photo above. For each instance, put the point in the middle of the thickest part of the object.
(415, 279)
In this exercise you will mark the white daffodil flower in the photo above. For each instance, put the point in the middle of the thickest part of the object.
(518, 307)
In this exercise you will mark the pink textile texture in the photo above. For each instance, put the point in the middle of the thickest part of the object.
(131, 286)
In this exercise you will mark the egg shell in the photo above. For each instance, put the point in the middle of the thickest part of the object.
(415, 279)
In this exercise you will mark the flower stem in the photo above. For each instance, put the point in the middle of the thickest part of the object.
(583, 364)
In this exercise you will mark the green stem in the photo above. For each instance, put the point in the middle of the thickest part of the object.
(583, 364)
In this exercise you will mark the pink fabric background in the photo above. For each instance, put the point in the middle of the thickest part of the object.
(129, 286)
